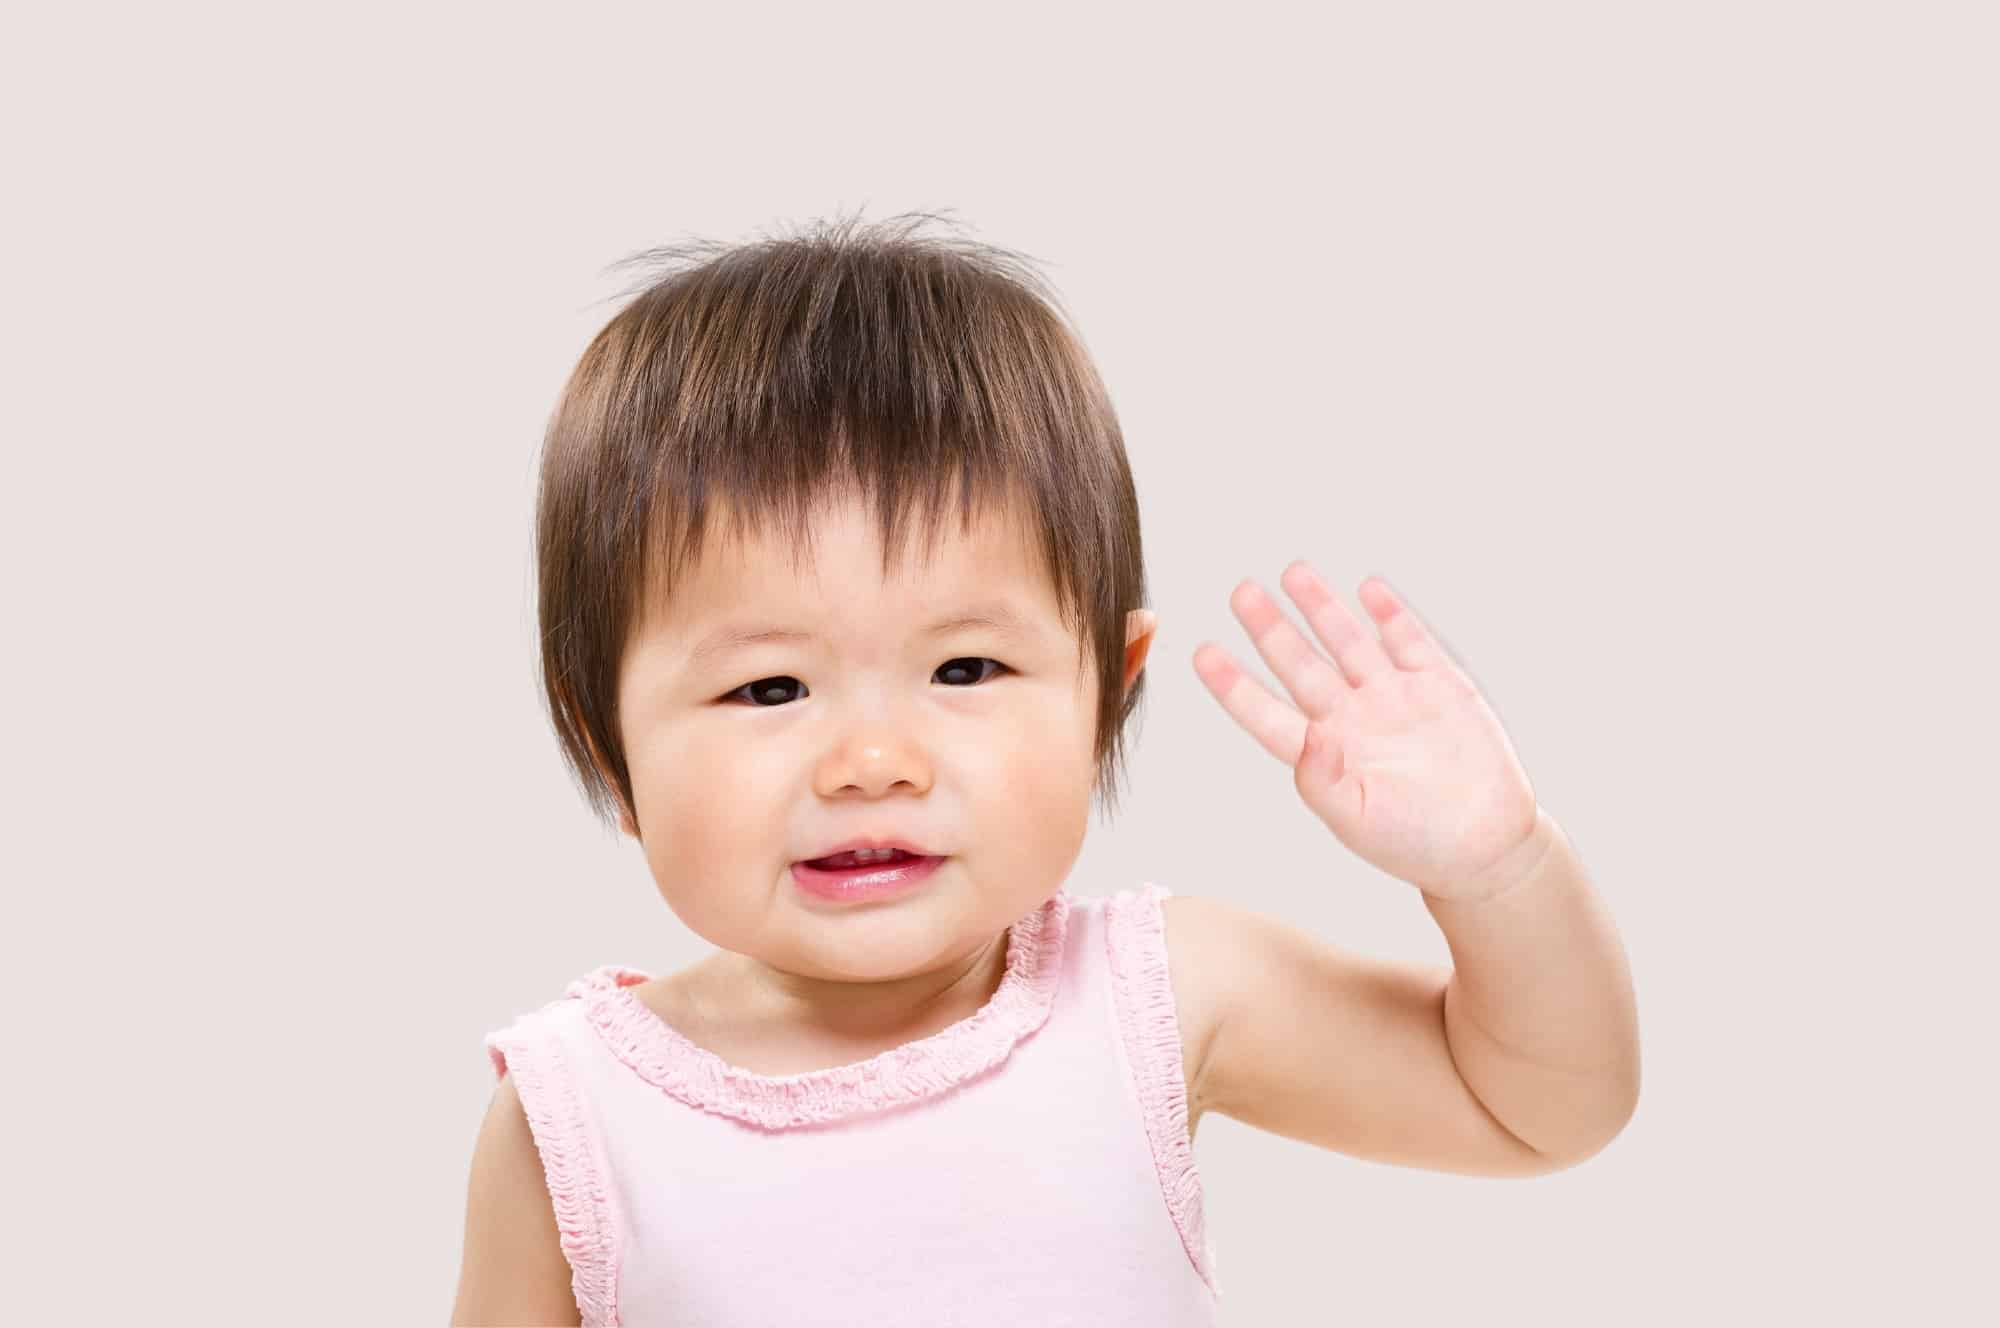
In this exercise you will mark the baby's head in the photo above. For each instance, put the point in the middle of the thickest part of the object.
(853, 435)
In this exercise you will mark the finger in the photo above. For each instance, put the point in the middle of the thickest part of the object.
(1276, 726)
(1308, 675)
(1359, 653)
(1411, 644)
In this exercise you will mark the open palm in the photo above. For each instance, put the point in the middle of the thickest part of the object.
(1390, 743)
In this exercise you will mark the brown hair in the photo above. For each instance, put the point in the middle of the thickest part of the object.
(759, 378)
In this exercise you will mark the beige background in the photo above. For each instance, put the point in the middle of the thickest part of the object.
(1648, 349)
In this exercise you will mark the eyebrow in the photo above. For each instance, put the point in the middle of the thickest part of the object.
(994, 617)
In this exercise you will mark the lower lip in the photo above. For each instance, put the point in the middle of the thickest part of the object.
(857, 884)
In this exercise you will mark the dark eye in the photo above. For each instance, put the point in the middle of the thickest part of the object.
(970, 664)
(775, 689)
(769, 689)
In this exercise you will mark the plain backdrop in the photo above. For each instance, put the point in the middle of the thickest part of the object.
(1648, 350)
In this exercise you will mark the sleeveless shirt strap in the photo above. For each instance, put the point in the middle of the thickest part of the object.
(1136, 943)
(577, 1187)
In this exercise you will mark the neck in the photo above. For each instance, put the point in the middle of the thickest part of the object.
(867, 1011)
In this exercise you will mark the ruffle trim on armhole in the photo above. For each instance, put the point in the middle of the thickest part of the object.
(1136, 941)
(577, 1186)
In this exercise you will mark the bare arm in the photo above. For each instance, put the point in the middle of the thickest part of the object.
(1392, 1061)
(1540, 1010)
(514, 1272)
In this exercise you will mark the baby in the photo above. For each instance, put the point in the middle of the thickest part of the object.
(842, 620)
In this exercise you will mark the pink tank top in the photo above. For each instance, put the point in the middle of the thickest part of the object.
(1028, 1165)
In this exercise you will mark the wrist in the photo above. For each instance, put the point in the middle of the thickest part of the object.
(1511, 871)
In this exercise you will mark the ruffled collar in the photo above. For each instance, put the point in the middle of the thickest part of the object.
(927, 1067)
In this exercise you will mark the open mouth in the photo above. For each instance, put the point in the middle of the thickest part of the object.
(857, 861)
(851, 878)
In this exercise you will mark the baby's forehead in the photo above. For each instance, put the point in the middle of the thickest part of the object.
(992, 559)
(748, 586)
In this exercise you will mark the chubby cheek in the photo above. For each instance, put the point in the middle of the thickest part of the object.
(713, 823)
(1028, 787)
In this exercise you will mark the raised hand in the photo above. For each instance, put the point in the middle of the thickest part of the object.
(1391, 745)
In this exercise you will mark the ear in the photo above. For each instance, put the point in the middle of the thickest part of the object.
(1139, 625)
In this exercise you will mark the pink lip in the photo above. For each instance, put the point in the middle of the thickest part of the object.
(856, 885)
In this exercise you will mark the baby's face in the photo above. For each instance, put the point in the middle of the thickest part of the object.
(859, 731)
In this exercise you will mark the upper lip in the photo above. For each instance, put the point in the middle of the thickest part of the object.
(870, 841)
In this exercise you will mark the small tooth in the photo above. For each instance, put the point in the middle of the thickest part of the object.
(868, 854)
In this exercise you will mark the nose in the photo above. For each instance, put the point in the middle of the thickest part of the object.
(873, 761)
